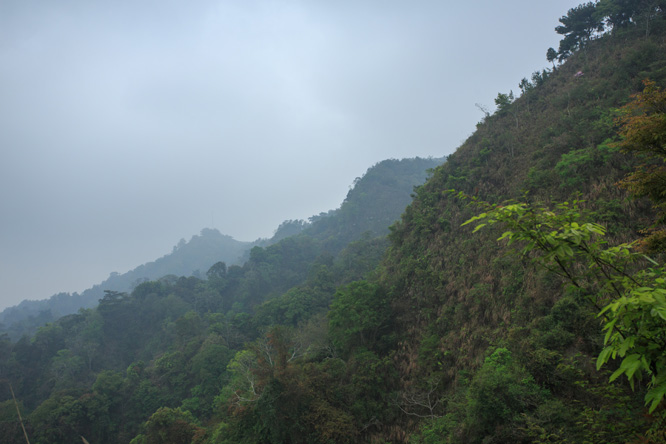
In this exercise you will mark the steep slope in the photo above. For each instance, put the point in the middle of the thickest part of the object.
(373, 203)
(474, 317)
(452, 338)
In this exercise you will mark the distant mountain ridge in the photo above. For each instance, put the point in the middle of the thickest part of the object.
(375, 201)
(187, 258)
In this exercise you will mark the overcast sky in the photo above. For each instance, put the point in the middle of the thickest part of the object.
(128, 125)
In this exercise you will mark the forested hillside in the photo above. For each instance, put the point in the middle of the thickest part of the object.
(545, 325)
(373, 203)
(497, 342)
(288, 281)
(187, 258)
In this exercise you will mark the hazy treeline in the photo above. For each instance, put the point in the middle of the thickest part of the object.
(434, 333)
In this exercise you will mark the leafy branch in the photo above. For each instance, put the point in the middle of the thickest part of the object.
(627, 288)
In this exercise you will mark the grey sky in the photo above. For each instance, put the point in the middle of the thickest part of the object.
(128, 125)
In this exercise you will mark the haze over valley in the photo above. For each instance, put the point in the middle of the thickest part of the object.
(127, 126)
(363, 281)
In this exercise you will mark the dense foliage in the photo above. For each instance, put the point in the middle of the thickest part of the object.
(633, 297)
(161, 362)
(434, 334)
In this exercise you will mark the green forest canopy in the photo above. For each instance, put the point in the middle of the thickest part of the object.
(435, 335)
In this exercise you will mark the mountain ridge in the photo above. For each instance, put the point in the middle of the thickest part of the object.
(389, 182)
(185, 259)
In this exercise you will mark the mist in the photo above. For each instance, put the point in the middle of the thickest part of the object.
(126, 126)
